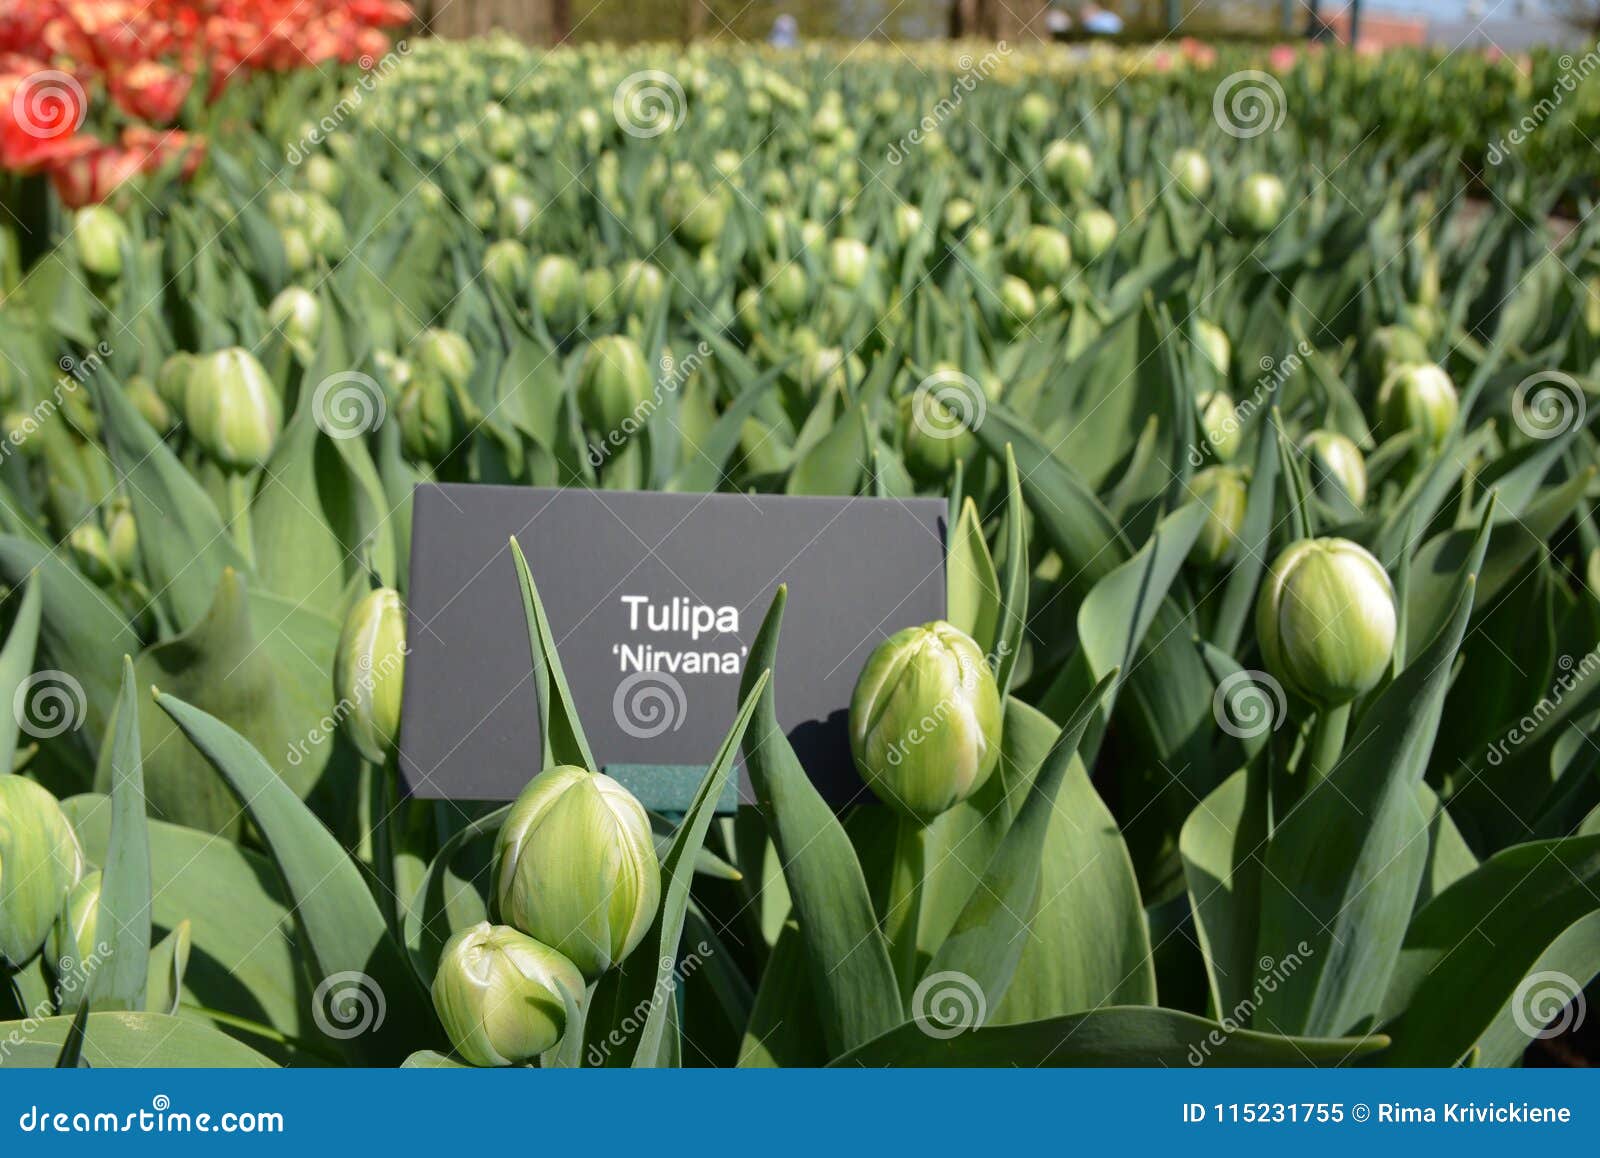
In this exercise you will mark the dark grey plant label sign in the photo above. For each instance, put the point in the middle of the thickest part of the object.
(654, 601)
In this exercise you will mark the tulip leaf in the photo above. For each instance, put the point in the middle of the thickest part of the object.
(169, 962)
(677, 869)
(1255, 541)
(297, 554)
(122, 924)
(1014, 582)
(705, 468)
(344, 938)
(129, 1041)
(836, 464)
(992, 929)
(972, 589)
(782, 1031)
(1344, 865)
(559, 727)
(1112, 1037)
(447, 901)
(71, 1055)
(16, 665)
(242, 956)
(851, 976)
(182, 539)
(82, 631)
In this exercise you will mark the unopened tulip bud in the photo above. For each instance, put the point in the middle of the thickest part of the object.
(1337, 468)
(427, 419)
(933, 438)
(297, 314)
(613, 382)
(40, 859)
(1391, 346)
(1219, 421)
(1419, 398)
(100, 236)
(848, 262)
(925, 720)
(1018, 304)
(506, 264)
(1213, 345)
(502, 997)
(445, 353)
(577, 869)
(1042, 256)
(1325, 620)
(1192, 172)
(1094, 232)
(1259, 204)
(69, 949)
(369, 671)
(232, 409)
(1224, 492)
(1070, 164)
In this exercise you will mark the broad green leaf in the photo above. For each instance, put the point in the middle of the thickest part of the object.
(990, 933)
(169, 963)
(851, 977)
(1115, 1036)
(297, 554)
(130, 1041)
(559, 727)
(1087, 942)
(451, 896)
(1494, 957)
(782, 1029)
(343, 933)
(836, 464)
(122, 924)
(1013, 581)
(183, 540)
(16, 665)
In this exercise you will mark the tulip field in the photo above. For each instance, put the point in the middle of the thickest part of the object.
(1260, 728)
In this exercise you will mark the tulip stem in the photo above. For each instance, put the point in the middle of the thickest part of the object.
(1325, 744)
(11, 1003)
(901, 920)
(239, 516)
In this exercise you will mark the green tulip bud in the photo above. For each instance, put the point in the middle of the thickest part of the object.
(506, 264)
(1224, 492)
(1325, 620)
(323, 177)
(369, 671)
(427, 421)
(613, 382)
(1213, 345)
(297, 251)
(445, 353)
(907, 222)
(1219, 421)
(558, 290)
(92, 553)
(925, 720)
(325, 229)
(100, 236)
(122, 538)
(958, 215)
(979, 241)
(297, 313)
(502, 997)
(148, 402)
(1260, 202)
(599, 294)
(1070, 165)
(1337, 466)
(643, 283)
(71, 944)
(848, 262)
(232, 409)
(747, 306)
(830, 368)
(812, 234)
(933, 439)
(1192, 172)
(1034, 112)
(40, 859)
(1421, 398)
(1094, 232)
(1391, 346)
(1042, 256)
(788, 290)
(576, 867)
(698, 217)
(1017, 303)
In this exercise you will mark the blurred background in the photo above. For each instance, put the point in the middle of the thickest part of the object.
(1509, 25)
